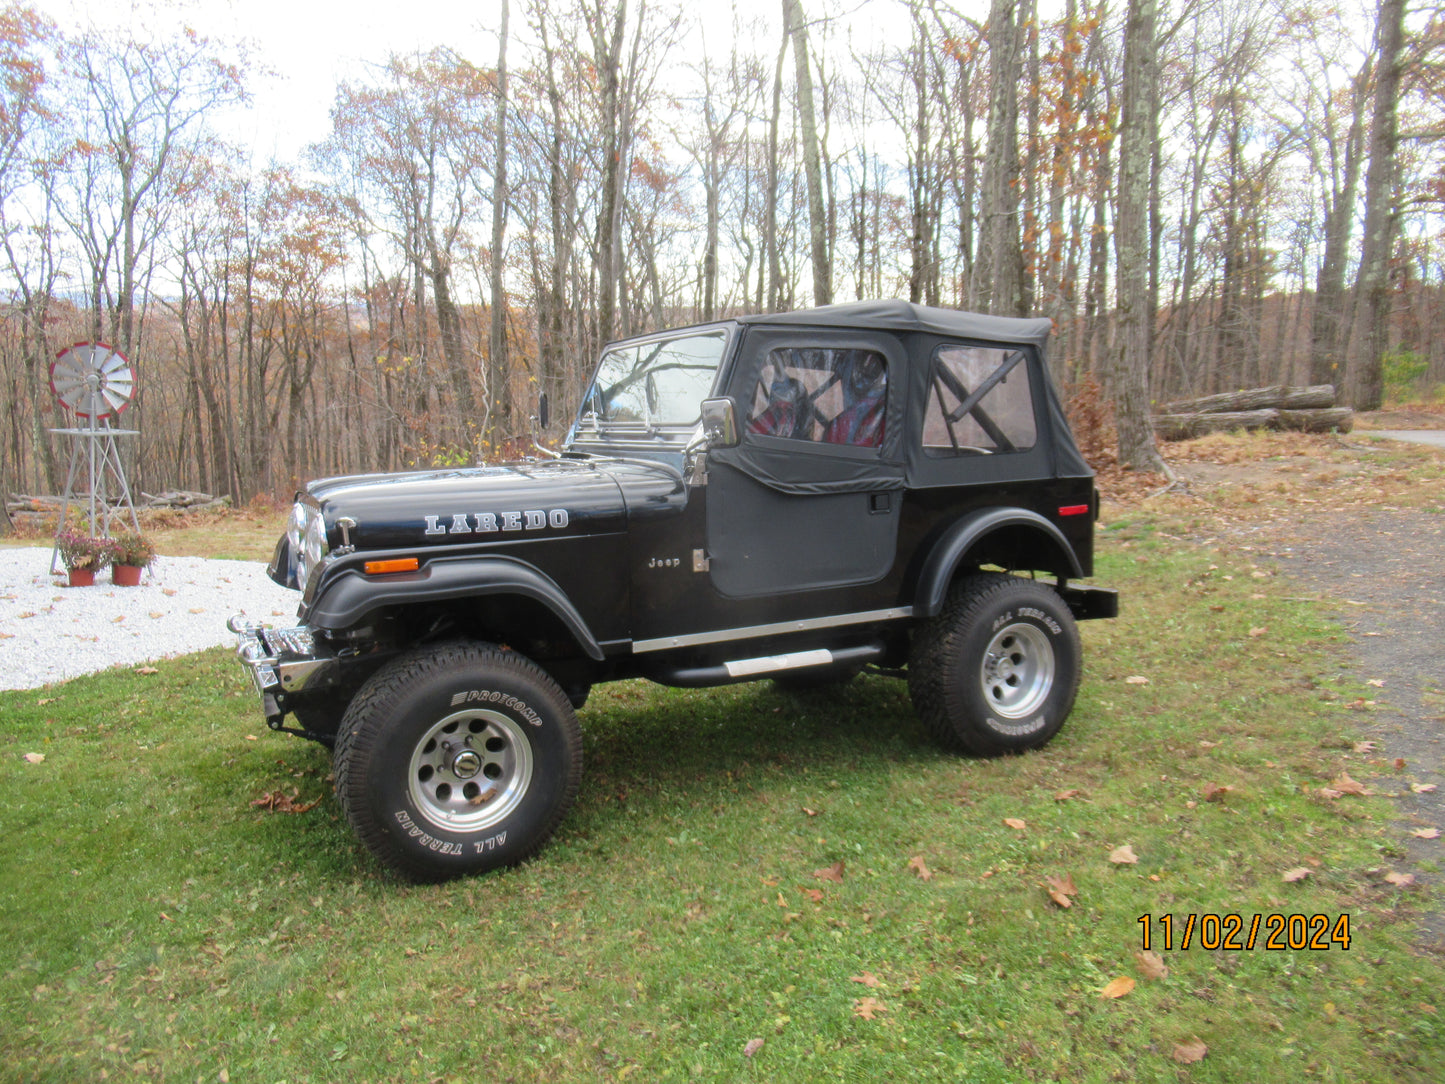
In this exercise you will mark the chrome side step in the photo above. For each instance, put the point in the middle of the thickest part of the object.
(736, 670)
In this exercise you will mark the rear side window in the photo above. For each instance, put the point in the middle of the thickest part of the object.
(824, 395)
(980, 402)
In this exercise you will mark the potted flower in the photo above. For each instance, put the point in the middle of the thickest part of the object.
(84, 555)
(131, 554)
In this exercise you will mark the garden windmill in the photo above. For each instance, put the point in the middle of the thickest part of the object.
(96, 384)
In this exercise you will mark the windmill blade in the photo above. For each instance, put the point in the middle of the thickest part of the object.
(92, 381)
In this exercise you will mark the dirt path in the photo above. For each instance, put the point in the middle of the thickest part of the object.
(1386, 571)
(1381, 570)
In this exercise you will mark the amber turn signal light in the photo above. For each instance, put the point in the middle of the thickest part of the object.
(399, 564)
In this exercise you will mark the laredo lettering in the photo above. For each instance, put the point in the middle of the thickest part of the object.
(530, 519)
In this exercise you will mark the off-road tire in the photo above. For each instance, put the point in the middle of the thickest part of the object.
(998, 669)
(456, 759)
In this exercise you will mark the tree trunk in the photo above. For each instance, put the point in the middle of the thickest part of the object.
(995, 285)
(1364, 380)
(773, 262)
(607, 56)
(1137, 449)
(797, 29)
(497, 349)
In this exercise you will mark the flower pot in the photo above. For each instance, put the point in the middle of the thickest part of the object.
(82, 577)
(125, 575)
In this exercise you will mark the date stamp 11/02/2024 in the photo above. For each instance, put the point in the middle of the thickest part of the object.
(1243, 933)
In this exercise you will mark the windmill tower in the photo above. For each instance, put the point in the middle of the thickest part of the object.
(96, 384)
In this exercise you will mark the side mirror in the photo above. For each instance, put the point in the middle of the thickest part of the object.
(543, 411)
(720, 423)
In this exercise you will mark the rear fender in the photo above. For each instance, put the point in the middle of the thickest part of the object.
(965, 537)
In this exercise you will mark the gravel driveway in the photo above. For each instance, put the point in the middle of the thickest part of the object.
(51, 632)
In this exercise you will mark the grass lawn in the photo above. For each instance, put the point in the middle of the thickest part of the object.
(753, 884)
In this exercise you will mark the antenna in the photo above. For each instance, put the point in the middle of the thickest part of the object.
(95, 383)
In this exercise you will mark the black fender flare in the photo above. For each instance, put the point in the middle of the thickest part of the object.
(345, 596)
(953, 546)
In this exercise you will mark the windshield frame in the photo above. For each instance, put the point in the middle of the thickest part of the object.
(588, 427)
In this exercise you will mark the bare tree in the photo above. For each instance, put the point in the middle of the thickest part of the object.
(134, 108)
(796, 27)
(996, 280)
(1137, 449)
(497, 354)
(1364, 378)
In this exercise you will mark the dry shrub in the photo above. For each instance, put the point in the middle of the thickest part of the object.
(1091, 417)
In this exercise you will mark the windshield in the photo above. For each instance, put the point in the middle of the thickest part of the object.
(655, 383)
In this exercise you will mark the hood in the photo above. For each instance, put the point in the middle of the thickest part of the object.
(510, 502)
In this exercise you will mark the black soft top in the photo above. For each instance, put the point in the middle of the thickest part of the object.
(901, 461)
(896, 315)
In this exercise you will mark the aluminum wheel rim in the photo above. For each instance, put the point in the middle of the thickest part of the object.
(470, 770)
(1017, 671)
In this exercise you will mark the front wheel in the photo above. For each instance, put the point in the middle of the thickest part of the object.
(997, 671)
(457, 759)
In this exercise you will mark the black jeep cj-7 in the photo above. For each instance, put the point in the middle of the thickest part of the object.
(792, 496)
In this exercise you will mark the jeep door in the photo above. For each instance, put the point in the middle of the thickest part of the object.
(809, 500)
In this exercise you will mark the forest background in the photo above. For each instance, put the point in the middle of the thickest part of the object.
(1203, 195)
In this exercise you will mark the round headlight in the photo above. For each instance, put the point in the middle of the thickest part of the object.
(311, 547)
(296, 528)
(315, 542)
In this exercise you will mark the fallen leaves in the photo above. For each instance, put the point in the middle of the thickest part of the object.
(1136, 679)
(147, 671)
(1016, 823)
(1400, 880)
(917, 865)
(1190, 1051)
(868, 979)
(752, 1047)
(832, 873)
(1123, 856)
(1065, 795)
(1426, 833)
(1214, 792)
(35, 758)
(868, 1007)
(280, 802)
(1421, 788)
(1061, 890)
(1294, 876)
(1151, 964)
(1341, 785)
(1117, 988)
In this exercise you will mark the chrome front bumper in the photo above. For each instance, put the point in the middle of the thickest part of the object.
(280, 660)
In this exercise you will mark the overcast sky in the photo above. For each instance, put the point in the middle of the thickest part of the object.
(313, 44)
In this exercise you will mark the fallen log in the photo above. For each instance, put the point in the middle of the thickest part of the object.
(1280, 397)
(1335, 419)
(1187, 426)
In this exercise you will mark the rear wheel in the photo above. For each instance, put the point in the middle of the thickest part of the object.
(457, 759)
(997, 671)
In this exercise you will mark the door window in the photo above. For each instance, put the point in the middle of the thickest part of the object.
(824, 395)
